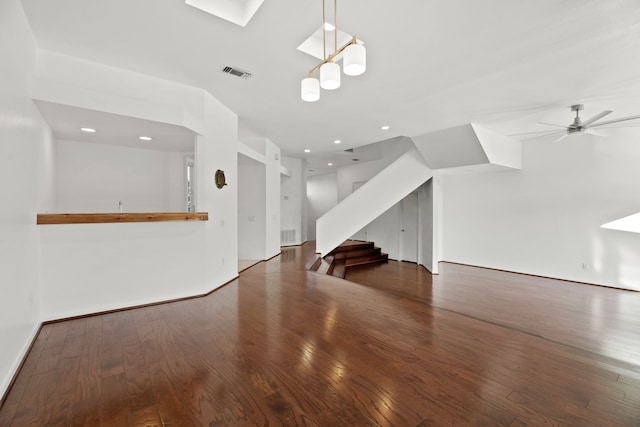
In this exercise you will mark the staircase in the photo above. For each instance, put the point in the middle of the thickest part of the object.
(349, 254)
(368, 202)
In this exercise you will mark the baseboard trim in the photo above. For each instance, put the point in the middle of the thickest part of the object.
(543, 277)
(249, 266)
(133, 307)
(293, 245)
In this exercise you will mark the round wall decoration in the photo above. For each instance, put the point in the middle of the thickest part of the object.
(221, 181)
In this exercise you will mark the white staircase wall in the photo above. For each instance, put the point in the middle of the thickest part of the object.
(371, 200)
(458, 150)
(468, 148)
(501, 150)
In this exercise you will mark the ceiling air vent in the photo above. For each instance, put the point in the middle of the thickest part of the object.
(236, 72)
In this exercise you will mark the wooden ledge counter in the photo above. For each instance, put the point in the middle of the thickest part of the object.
(98, 218)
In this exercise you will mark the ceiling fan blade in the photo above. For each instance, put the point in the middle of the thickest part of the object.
(593, 132)
(562, 137)
(537, 132)
(623, 119)
(552, 124)
(546, 134)
(621, 125)
(596, 117)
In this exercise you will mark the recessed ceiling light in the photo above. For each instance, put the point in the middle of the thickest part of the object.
(337, 141)
(90, 130)
(329, 164)
(385, 127)
(307, 151)
(328, 27)
(145, 138)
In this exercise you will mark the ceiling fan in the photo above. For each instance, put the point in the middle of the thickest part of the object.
(581, 126)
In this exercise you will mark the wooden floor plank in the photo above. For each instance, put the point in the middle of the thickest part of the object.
(392, 346)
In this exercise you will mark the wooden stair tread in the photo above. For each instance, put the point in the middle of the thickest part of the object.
(351, 245)
(355, 253)
(349, 254)
(366, 260)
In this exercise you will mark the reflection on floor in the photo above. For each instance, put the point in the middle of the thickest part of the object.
(281, 345)
(243, 264)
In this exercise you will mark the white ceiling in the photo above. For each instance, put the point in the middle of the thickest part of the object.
(431, 64)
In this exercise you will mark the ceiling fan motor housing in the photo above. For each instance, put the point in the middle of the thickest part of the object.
(586, 126)
(576, 126)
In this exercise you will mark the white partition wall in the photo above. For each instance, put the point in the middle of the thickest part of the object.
(429, 206)
(258, 199)
(252, 209)
(272, 182)
(322, 195)
(94, 267)
(26, 187)
(293, 202)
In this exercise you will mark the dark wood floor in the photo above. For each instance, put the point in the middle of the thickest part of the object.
(284, 346)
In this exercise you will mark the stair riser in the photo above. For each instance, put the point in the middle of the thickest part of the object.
(364, 245)
(316, 264)
(366, 260)
(358, 253)
(349, 255)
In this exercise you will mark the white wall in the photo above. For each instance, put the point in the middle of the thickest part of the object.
(259, 199)
(364, 171)
(545, 220)
(322, 195)
(293, 200)
(251, 209)
(100, 87)
(142, 263)
(90, 268)
(217, 149)
(95, 177)
(26, 187)
(272, 181)
(384, 231)
(256, 143)
(426, 224)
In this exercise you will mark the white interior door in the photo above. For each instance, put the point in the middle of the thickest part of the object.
(409, 228)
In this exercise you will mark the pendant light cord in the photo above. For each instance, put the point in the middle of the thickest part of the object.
(324, 43)
(335, 25)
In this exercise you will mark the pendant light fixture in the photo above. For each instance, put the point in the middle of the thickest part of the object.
(330, 76)
(310, 89)
(354, 62)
